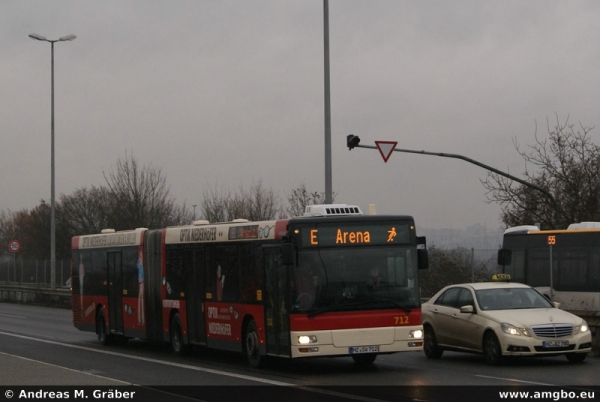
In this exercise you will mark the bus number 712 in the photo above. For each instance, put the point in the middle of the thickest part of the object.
(401, 320)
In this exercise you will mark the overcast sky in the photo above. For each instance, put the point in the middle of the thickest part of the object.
(221, 94)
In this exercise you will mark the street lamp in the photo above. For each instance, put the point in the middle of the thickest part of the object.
(52, 215)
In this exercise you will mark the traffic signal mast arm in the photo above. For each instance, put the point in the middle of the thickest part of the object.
(353, 142)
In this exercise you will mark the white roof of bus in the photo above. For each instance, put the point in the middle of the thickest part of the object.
(521, 229)
(534, 229)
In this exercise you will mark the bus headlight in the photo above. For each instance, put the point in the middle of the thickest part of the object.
(415, 334)
(306, 339)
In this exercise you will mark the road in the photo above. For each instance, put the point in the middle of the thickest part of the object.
(44, 349)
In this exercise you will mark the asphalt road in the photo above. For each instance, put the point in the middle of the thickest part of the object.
(39, 347)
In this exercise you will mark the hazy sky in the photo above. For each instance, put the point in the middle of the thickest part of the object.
(221, 94)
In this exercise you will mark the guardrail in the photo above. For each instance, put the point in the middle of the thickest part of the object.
(18, 293)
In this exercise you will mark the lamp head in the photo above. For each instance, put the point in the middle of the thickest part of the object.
(37, 37)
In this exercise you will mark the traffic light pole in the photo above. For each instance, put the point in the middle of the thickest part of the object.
(353, 141)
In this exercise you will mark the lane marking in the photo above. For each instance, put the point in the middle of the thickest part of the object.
(202, 369)
(65, 368)
(514, 380)
(12, 316)
(150, 360)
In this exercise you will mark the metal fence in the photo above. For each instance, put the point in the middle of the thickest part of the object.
(34, 272)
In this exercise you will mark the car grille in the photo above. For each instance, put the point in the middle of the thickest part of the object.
(553, 330)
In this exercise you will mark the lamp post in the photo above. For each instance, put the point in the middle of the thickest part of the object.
(328, 174)
(52, 197)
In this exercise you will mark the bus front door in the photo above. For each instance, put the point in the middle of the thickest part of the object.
(194, 270)
(115, 293)
(276, 304)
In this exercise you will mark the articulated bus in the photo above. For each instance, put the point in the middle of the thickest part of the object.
(334, 282)
(574, 255)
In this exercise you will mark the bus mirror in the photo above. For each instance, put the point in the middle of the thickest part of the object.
(504, 257)
(423, 258)
(287, 254)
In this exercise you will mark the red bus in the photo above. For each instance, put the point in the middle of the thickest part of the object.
(331, 283)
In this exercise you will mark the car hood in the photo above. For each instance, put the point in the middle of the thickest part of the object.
(529, 317)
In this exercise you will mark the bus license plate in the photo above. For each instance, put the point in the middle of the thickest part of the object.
(555, 344)
(363, 349)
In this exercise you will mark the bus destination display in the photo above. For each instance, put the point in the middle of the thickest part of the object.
(355, 235)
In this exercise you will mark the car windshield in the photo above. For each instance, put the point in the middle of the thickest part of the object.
(511, 299)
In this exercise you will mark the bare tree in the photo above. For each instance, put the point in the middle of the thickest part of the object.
(300, 198)
(7, 228)
(255, 204)
(567, 165)
(86, 211)
(213, 205)
(447, 267)
(263, 202)
(140, 197)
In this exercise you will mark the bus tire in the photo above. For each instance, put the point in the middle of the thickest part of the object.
(251, 346)
(176, 335)
(103, 336)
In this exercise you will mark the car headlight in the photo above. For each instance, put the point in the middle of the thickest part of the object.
(512, 330)
(581, 328)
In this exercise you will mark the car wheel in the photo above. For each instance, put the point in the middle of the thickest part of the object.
(430, 346)
(576, 357)
(364, 359)
(492, 351)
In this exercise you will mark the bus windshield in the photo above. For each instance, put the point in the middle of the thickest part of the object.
(350, 279)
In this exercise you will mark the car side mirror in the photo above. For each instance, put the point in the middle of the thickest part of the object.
(556, 304)
(467, 309)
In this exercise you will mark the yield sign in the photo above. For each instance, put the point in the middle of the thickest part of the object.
(386, 148)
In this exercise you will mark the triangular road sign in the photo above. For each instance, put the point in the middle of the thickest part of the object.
(386, 148)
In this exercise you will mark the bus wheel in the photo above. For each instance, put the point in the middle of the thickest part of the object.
(252, 351)
(364, 360)
(177, 336)
(103, 336)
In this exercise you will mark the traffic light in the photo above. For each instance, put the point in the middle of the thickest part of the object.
(352, 141)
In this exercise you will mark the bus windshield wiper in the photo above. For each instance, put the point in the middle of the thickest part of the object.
(337, 307)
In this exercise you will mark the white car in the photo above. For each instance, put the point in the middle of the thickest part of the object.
(501, 319)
